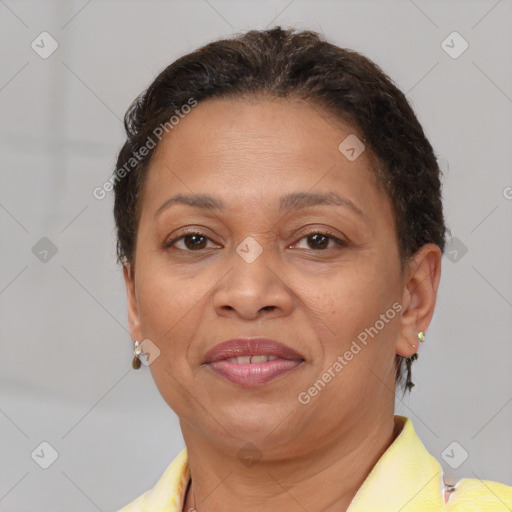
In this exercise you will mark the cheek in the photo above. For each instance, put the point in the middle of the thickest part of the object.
(163, 302)
(173, 388)
(351, 306)
(168, 318)
(358, 347)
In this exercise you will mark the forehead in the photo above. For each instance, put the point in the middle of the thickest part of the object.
(265, 133)
(260, 147)
(292, 129)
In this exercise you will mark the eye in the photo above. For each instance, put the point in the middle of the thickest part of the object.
(192, 241)
(320, 240)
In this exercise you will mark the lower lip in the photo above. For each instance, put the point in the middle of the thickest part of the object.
(249, 374)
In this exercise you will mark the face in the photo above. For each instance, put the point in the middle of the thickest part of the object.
(313, 276)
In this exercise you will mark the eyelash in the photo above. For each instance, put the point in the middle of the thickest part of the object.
(339, 242)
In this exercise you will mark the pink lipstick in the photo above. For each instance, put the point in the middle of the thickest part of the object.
(252, 361)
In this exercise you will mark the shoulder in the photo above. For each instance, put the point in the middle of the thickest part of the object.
(473, 494)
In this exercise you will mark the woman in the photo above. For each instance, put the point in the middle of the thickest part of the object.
(280, 226)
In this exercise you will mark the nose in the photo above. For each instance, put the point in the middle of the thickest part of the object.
(253, 289)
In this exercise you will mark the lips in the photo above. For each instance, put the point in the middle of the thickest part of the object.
(243, 347)
(252, 361)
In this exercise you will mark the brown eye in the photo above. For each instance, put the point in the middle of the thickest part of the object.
(319, 240)
(192, 241)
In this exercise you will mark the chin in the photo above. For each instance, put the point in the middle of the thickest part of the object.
(263, 424)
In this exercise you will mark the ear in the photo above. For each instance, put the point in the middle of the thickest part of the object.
(419, 297)
(133, 309)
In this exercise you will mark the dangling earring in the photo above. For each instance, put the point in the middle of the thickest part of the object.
(136, 363)
(409, 384)
(409, 360)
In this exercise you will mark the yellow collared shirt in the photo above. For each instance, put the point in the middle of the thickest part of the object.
(407, 478)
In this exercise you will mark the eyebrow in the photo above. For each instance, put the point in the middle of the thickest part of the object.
(293, 201)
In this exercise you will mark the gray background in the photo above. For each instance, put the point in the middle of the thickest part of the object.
(65, 351)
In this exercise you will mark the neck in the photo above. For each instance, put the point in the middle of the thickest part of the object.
(325, 478)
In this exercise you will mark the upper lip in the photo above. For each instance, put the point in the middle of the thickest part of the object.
(239, 347)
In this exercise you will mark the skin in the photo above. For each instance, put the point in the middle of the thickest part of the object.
(249, 152)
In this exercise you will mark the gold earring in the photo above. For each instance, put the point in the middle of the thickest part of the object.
(136, 364)
(421, 336)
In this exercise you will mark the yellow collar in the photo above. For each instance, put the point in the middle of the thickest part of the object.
(407, 478)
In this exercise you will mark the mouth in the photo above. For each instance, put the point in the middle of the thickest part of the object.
(252, 361)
